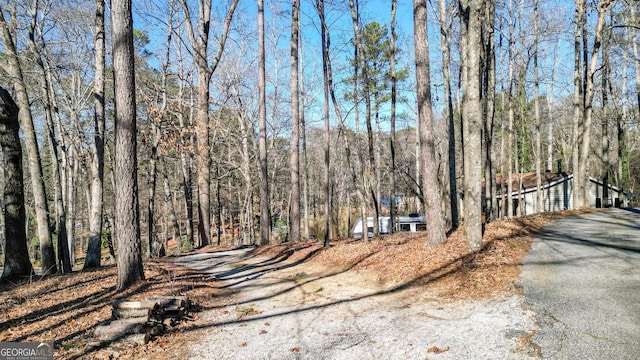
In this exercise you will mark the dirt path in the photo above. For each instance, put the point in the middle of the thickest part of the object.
(285, 309)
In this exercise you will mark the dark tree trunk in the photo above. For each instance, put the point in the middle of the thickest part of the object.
(16, 259)
(127, 213)
(265, 216)
(392, 132)
(451, 140)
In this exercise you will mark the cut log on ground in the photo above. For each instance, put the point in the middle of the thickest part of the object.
(118, 329)
(130, 313)
(136, 321)
(140, 339)
(143, 304)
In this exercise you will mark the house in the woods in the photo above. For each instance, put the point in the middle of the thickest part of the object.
(557, 193)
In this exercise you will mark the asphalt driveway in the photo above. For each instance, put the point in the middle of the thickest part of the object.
(582, 278)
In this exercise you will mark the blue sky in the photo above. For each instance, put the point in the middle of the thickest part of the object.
(277, 16)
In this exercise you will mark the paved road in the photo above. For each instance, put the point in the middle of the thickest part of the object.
(582, 278)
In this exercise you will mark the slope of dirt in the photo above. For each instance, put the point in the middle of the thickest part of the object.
(64, 308)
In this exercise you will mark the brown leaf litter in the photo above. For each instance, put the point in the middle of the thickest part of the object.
(64, 308)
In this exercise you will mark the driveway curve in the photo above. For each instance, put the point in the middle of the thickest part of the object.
(582, 279)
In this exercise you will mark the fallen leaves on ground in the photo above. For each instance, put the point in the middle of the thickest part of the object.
(64, 308)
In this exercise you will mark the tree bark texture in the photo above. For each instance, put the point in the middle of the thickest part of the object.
(472, 113)
(93, 255)
(488, 107)
(360, 181)
(16, 259)
(47, 93)
(392, 132)
(585, 142)
(445, 47)
(578, 101)
(327, 131)
(33, 152)
(429, 168)
(265, 216)
(127, 213)
(538, 119)
(294, 221)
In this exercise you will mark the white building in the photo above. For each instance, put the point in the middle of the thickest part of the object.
(557, 193)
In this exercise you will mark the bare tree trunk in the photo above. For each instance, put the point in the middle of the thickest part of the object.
(589, 94)
(200, 43)
(246, 171)
(446, 72)
(295, 125)
(47, 95)
(511, 115)
(72, 191)
(503, 203)
(488, 106)
(31, 143)
(429, 173)
(155, 144)
(170, 208)
(536, 104)
(392, 133)
(470, 13)
(622, 116)
(203, 160)
(265, 215)
(219, 207)
(93, 255)
(578, 181)
(153, 176)
(16, 254)
(327, 141)
(376, 158)
(550, 91)
(606, 165)
(185, 161)
(362, 179)
(127, 213)
(303, 127)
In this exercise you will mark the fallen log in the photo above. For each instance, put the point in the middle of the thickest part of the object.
(131, 313)
(119, 329)
(140, 339)
(141, 304)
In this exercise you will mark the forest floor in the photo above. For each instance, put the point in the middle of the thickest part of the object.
(64, 308)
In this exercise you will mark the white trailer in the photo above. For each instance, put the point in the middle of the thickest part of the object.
(411, 223)
(384, 224)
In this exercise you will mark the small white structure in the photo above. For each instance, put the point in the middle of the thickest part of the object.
(384, 224)
(410, 223)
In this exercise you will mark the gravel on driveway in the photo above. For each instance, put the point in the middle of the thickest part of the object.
(282, 311)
